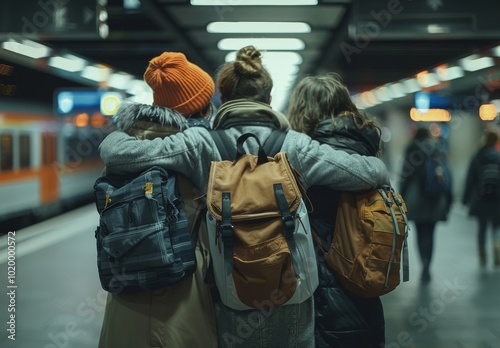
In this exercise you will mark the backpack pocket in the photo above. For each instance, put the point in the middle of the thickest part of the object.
(378, 262)
(132, 238)
(264, 272)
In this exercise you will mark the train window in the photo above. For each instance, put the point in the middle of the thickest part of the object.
(6, 152)
(24, 151)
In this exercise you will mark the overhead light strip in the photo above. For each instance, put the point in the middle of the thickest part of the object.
(252, 2)
(27, 48)
(258, 27)
(262, 43)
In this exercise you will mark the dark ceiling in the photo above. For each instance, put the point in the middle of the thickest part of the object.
(369, 43)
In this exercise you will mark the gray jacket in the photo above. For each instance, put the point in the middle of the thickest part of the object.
(192, 151)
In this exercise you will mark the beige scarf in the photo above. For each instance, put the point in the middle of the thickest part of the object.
(245, 110)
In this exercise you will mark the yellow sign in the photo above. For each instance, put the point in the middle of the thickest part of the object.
(110, 101)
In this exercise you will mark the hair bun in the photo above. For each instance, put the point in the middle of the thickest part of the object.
(248, 62)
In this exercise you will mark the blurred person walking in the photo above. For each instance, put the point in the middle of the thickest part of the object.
(426, 187)
(482, 195)
(321, 107)
(245, 89)
(182, 314)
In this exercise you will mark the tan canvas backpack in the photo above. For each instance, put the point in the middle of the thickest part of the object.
(260, 240)
(369, 242)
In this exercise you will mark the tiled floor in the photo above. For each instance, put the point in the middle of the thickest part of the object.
(460, 307)
(59, 302)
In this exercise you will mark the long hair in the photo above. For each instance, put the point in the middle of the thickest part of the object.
(244, 78)
(316, 98)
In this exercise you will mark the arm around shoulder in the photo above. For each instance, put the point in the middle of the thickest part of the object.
(183, 152)
(322, 165)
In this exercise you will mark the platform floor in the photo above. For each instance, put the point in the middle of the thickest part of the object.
(59, 303)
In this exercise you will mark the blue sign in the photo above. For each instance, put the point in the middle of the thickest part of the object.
(71, 102)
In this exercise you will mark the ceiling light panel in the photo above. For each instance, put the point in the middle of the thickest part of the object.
(252, 2)
(27, 48)
(262, 44)
(258, 27)
(289, 58)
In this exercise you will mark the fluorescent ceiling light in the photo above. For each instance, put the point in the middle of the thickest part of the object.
(119, 80)
(496, 51)
(475, 62)
(252, 2)
(27, 48)
(289, 58)
(258, 27)
(97, 73)
(284, 68)
(369, 99)
(437, 29)
(449, 73)
(396, 90)
(131, 4)
(137, 86)
(382, 93)
(67, 62)
(427, 79)
(411, 85)
(262, 43)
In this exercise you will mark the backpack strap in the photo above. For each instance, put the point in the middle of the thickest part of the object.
(274, 142)
(225, 147)
(196, 228)
(385, 191)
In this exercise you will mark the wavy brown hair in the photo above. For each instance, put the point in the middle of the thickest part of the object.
(244, 78)
(317, 98)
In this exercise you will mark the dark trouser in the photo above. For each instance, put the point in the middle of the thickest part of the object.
(425, 241)
(483, 227)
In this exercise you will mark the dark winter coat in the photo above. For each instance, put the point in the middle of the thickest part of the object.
(480, 207)
(422, 206)
(342, 320)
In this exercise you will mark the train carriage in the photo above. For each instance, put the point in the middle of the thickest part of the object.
(48, 163)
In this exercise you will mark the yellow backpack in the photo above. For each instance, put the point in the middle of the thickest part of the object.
(369, 242)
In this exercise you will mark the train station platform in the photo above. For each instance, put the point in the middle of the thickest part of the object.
(59, 303)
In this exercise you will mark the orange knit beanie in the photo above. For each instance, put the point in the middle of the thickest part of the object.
(178, 84)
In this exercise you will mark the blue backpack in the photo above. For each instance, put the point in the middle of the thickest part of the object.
(143, 239)
(437, 175)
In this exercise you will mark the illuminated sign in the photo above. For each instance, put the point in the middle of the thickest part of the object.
(70, 102)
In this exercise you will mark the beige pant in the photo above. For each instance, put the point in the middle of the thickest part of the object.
(180, 315)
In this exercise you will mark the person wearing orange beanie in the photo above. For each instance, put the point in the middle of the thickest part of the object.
(178, 84)
(182, 314)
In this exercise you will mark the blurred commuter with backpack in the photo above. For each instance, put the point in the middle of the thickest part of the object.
(181, 314)
(426, 186)
(482, 194)
(320, 106)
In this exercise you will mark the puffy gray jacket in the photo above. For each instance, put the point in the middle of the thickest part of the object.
(192, 151)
